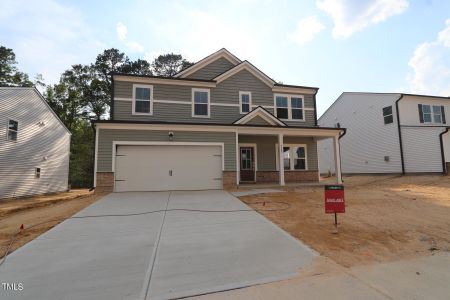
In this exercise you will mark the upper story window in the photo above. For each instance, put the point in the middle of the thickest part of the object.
(431, 114)
(142, 99)
(289, 107)
(200, 103)
(13, 128)
(37, 173)
(387, 115)
(245, 102)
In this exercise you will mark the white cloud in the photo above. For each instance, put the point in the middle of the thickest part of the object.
(350, 16)
(122, 31)
(431, 66)
(306, 29)
(134, 47)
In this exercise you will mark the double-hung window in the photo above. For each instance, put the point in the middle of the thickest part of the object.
(294, 157)
(387, 115)
(142, 99)
(200, 103)
(13, 128)
(289, 107)
(432, 114)
(245, 102)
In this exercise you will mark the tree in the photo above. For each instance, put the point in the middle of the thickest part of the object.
(168, 65)
(9, 74)
(138, 67)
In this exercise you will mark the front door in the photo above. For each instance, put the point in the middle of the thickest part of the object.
(247, 164)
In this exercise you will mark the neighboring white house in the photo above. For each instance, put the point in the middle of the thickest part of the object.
(34, 145)
(388, 133)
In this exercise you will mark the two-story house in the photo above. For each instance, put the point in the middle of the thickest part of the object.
(389, 133)
(34, 145)
(217, 124)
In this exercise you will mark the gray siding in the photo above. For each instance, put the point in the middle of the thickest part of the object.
(123, 89)
(257, 121)
(212, 70)
(45, 147)
(266, 151)
(107, 136)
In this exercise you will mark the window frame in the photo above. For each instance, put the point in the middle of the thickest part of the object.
(37, 172)
(289, 107)
(292, 157)
(430, 113)
(193, 103)
(249, 102)
(133, 108)
(391, 114)
(8, 130)
(434, 114)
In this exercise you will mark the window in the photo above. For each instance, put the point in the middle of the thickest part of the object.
(387, 115)
(431, 114)
(245, 102)
(294, 157)
(13, 127)
(142, 99)
(289, 107)
(37, 173)
(200, 103)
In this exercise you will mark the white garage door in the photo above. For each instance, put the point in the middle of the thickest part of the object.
(163, 168)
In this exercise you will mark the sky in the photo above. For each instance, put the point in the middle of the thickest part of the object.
(336, 45)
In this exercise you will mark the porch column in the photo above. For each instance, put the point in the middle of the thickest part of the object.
(280, 159)
(337, 160)
(238, 165)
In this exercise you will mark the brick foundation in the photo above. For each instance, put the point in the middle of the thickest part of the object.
(448, 169)
(229, 180)
(105, 182)
(289, 176)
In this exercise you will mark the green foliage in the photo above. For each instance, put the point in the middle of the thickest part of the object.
(81, 170)
(168, 65)
(10, 75)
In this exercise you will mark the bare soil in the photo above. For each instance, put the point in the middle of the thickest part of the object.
(387, 218)
(47, 209)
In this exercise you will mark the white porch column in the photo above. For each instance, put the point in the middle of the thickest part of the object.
(337, 160)
(238, 164)
(280, 159)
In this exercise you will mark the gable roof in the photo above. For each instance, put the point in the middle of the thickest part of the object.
(18, 90)
(263, 114)
(245, 65)
(222, 53)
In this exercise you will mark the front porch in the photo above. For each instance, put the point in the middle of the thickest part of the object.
(289, 157)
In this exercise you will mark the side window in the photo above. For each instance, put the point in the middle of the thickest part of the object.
(425, 113)
(200, 103)
(245, 102)
(297, 108)
(282, 107)
(37, 173)
(13, 128)
(142, 99)
(387, 115)
(437, 114)
(432, 114)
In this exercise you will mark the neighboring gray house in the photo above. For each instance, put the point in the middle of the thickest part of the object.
(389, 133)
(34, 145)
(217, 124)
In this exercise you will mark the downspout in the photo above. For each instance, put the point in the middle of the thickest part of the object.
(400, 134)
(444, 165)
(339, 143)
(111, 113)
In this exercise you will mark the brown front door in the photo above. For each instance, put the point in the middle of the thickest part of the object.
(247, 164)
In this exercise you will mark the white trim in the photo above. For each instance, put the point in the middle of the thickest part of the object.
(255, 157)
(122, 99)
(250, 68)
(172, 101)
(222, 53)
(7, 130)
(280, 89)
(193, 103)
(289, 107)
(95, 156)
(291, 156)
(133, 105)
(263, 106)
(224, 104)
(170, 81)
(238, 163)
(287, 131)
(280, 157)
(261, 113)
(249, 102)
(143, 143)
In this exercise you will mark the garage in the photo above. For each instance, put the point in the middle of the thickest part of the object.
(168, 167)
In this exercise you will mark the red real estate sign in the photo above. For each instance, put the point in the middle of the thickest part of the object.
(334, 199)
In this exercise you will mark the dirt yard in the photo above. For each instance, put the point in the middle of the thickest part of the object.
(387, 218)
(29, 211)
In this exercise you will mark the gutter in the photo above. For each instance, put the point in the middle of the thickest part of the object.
(400, 134)
(444, 165)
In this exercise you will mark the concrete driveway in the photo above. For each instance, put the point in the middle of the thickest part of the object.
(163, 255)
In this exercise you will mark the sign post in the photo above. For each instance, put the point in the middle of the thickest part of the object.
(334, 200)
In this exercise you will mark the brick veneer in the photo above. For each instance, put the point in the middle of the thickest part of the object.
(229, 180)
(105, 182)
(289, 176)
